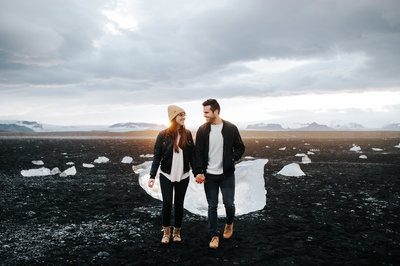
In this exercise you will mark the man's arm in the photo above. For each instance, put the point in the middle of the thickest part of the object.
(192, 151)
(238, 146)
(199, 150)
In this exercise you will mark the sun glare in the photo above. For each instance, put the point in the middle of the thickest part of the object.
(122, 15)
(275, 65)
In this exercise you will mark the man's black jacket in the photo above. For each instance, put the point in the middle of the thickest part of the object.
(163, 152)
(233, 148)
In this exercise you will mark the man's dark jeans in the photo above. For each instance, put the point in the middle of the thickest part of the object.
(167, 188)
(211, 186)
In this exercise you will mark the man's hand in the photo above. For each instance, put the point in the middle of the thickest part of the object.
(151, 183)
(200, 178)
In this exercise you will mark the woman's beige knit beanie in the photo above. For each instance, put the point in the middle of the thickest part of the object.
(173, 111)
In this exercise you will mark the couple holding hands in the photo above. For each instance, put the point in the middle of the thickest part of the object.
(212, 159)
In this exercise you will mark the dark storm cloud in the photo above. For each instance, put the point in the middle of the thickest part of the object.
(308, 29)
(48, 30)
(193, 50)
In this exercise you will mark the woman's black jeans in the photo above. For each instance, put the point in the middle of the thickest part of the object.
(211, 186)
(167, 188)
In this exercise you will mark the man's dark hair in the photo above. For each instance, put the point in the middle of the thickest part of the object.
(214, 105)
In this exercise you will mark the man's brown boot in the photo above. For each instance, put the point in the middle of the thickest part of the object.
(176, 234)
(214, 242)
(167, 234)
(228, 231)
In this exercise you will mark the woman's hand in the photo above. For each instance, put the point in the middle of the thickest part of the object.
(151, 183)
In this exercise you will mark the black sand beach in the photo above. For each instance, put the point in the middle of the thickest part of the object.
(345, 211)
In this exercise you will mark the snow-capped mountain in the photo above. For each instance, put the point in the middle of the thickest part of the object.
(393, 126)
(131, 126)
(262, 126)
(24, 126)
(314, 126)
(277, 127)
(349, 126)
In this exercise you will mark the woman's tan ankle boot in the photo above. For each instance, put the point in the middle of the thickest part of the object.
(167, 234)
(176, 234)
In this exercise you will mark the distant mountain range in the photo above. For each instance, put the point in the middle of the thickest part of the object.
(137, 126)
(278, 127)
(314, 126)
(318, 127)
(349, 126)
(394, 126)
(262, 126)
(22, 126)
(28, 126)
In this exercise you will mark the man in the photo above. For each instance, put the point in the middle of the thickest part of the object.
(218, 146)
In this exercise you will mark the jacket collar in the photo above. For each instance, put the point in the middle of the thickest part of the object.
(208, 126)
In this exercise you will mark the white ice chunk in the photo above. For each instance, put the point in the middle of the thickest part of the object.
(146, 155)
(36, 172)
(88, 165)
(249, 157)
(282, 149)
(397, 146)
(300, 155)
(70, 163)
(363, 156)
(101, 159)
(306, 144)
(39, 162)
(355, 148)
(250, 193)
(69, 171)
(292, 169)
(310, 153)
(377, 149)
(305, 159)
(55, 171)
(137, 170)
(144, 175)
(127, 159)
(269, 147)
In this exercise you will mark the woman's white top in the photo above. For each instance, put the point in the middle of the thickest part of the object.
(177, 170)
(215, 151)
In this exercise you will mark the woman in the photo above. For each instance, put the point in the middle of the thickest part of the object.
(173, 149)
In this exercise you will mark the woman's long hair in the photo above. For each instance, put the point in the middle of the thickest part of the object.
(176, 129)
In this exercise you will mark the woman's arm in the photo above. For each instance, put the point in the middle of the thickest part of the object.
(157, 155)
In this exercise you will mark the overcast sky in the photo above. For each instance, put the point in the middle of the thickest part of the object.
(288, 62)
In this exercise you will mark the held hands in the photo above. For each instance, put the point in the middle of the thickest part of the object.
(151, 183)
(200, 178)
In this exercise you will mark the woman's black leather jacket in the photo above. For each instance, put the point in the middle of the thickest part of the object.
(163, 153)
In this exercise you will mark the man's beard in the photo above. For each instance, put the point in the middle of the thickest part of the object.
(211, 120)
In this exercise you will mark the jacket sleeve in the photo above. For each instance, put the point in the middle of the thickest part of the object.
(157, 156)
(238, 146)
(198, 153)
(192, 150)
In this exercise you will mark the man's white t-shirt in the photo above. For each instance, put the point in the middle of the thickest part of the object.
(215, 151)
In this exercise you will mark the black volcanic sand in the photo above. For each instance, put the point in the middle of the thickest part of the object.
(345, 211)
